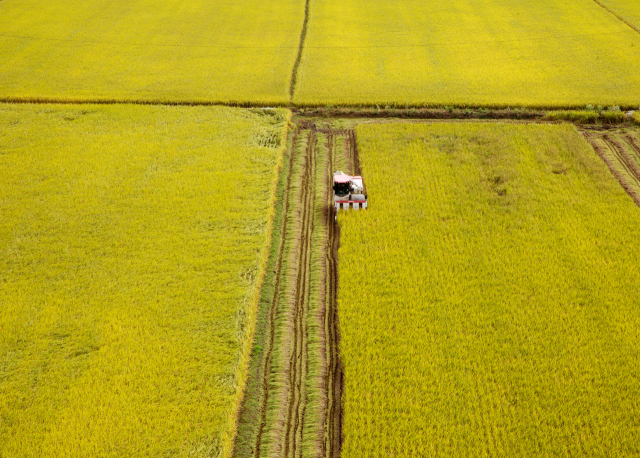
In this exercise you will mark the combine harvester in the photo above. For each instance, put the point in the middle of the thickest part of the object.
(348, 192)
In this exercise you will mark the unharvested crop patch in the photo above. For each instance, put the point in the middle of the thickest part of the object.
(144, 50)
(488, 297)
(468, 53)
(132, 241)
(626, 10)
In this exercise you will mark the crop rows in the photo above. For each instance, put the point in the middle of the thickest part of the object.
(620, 150)
(133, 243)
(292, 406)
(488, 296)
(500, 53)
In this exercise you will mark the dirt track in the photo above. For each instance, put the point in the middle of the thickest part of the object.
(293, 406)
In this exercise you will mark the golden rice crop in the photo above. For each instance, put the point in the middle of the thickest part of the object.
(628, 10)
(488, 296)
(164, 50)
(133, 241)
(468, 52)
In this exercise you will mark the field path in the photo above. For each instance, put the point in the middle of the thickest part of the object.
(292, 406)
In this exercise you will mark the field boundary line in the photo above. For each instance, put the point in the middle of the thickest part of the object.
(150, 45)
(296, 65)
(433, 111)
(126, 101)
(620, 18)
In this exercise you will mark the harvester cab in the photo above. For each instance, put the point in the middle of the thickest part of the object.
(349, 192)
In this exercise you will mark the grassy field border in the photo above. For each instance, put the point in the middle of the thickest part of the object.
(364, 110)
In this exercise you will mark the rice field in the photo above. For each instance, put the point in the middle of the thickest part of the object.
(496, 53)
(488, 296)
(500, 53)
(169, 276)
(133, 245)
(627, 10)
(144, 50)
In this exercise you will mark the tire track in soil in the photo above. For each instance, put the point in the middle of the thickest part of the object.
(300, 376)
(298, 370)
(624, 153)
(353, 146)
(275, 303)
(627, 184)
(633, 143)
(334, 382)
(329, 282)
(618, 150)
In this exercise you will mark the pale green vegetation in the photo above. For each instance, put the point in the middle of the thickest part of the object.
(165, 50)
(468, 52)
(628, 10)
(133, 241)
(489, 296)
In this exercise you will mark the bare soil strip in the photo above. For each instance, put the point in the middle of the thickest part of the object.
(292, 408)
(371, 113)
(298, 365)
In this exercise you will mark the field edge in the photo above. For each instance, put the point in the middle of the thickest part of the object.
(380, 107)
(229, 435)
